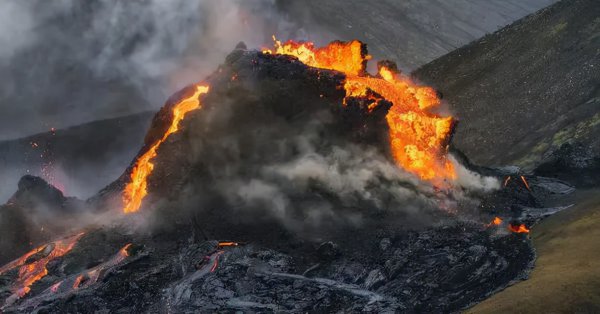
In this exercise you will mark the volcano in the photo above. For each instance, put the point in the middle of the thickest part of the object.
(289, 180)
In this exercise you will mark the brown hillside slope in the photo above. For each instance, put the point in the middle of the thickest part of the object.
(566, 278)
(528, 90)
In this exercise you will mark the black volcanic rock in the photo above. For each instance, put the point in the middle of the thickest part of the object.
(35, 214)
(35, 191)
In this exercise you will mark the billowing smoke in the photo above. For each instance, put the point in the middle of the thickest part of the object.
(268, 143)
(125, 57)
(66, 62)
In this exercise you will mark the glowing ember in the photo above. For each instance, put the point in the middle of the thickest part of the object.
(216, 262)
(506, 181)
(418, 137)
(496, 222)
(136, 189)
(518, 228)
(223, 244)
(123, 253)
(526, 183)
(78, 281)
(90, 276)
(31, 272)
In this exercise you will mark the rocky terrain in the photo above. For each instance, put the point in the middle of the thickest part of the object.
(410, 32)
(79, 160)
(215, 238)
(516, 106)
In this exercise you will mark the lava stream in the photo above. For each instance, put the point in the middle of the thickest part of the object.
(136, 189)
(418, 137)
(32, 271)
(518, 228)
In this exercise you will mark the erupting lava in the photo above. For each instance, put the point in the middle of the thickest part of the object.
(496, 222)
(525, 183)
(518, 228)
(418, 137)
(521, 228)
(136, 189)
(91, 276)
(32, 271)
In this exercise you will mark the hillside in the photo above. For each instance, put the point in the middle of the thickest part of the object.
(529, 93)
(80, 160)
(411, 32)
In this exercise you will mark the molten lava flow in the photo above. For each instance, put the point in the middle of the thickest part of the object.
(123, 253)
(31, 272)
(518, 228)
(223, 244)
(526, 183)
(506, 181)
(90, 276)
(78, 281)
(418, 137)
(496, 222)
(136, 189)
(22, 260)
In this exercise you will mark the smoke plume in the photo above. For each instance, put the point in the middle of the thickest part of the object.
(67, 62)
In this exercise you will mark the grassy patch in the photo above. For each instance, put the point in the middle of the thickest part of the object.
(566, 278)
(557, 29)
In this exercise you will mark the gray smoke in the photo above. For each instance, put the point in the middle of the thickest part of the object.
(66, 62)
(298, 172)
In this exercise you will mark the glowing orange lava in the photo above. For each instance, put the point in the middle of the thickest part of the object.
(496, 222)
(518, 228)
(418, 137)
(526, 183)
(78, 281)
(223, 244)
(136, 189)
(32, 271)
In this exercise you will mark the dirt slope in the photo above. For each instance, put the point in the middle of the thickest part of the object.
(412, 32)
(530, 95)
(528, 90)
